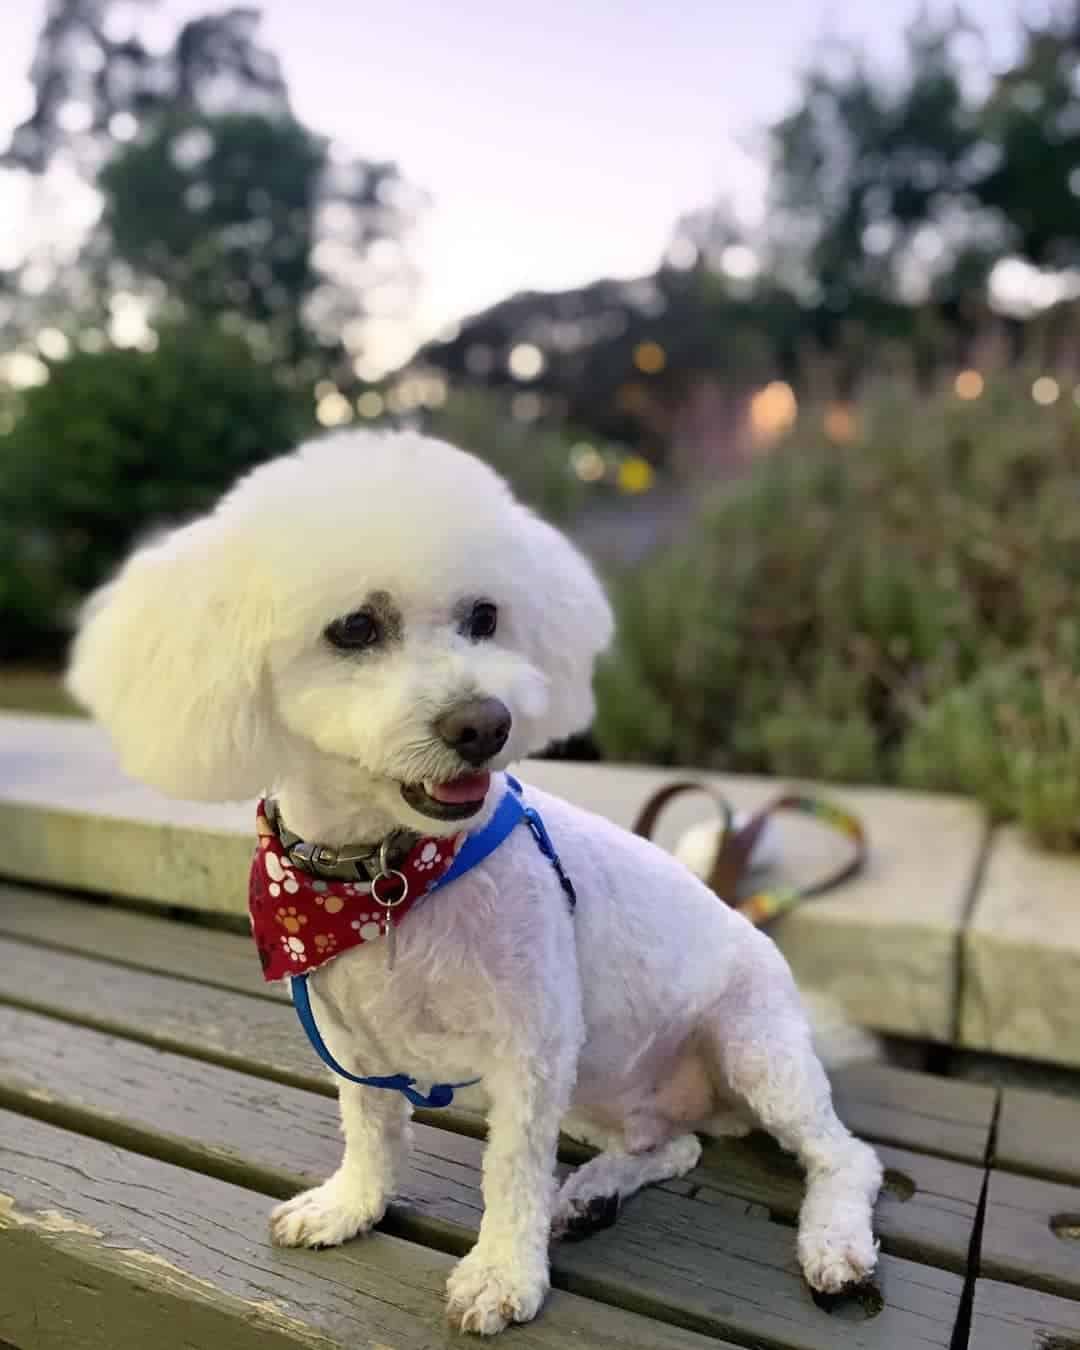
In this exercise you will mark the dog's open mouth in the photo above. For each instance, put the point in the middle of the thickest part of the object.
(455, 800)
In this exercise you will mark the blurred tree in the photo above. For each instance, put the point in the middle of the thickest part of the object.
(1032, 125)
(873, 206)
(228, 213)
(217, 201)
(96, 82)
(115, 444)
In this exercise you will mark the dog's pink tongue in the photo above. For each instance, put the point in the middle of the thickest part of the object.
(470, 788)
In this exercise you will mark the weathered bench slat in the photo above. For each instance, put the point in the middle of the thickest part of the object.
(279, 1139)
(908, 1110)
(251, 1034)
(106, 1250)
(916, 1110)
(144, 941)
(1020, 1244)
(1009, 1318)
(1039, 1134)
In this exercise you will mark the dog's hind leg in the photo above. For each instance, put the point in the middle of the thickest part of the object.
(765, 1057)
(589, 1198)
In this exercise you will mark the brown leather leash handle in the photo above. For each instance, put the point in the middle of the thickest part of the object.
(737, 845)
(732, 857)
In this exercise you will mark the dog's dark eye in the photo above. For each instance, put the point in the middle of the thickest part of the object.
(483, 620)
(353, 631)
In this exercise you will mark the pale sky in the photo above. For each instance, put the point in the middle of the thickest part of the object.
(559, 142)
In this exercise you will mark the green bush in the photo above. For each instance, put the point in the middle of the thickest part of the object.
(901, 609)
(115, 444)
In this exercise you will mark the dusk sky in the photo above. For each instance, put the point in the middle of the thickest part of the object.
(560, 141)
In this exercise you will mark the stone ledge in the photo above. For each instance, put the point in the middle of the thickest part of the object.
(1021, 956)
(884, 946)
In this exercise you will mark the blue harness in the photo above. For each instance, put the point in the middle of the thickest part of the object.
(510, 813)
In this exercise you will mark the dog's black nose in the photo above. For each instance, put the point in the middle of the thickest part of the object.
(477, 729)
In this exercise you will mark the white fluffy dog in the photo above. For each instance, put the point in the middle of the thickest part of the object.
(316, 635)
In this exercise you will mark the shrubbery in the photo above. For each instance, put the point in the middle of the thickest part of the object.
(900, 609)
(117, 443)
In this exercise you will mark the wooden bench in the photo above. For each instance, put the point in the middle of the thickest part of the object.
(155, 1096)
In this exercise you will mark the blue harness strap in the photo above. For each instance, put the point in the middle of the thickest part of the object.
(441, 1094)
(510, 812)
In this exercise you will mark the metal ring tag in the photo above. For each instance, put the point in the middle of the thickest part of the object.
(385, 876)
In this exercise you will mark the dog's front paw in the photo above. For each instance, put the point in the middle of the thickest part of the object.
(323, 1217)
(484, 1297)
(835, 1258)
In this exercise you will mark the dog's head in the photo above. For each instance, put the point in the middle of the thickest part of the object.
(380, 601)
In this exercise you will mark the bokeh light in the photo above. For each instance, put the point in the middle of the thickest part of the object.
(526, 361)
(21, 370)
(53, 344)
(587, 462)
(841, 424)
(773, 411)
(636, 475)
(1046, 390)
(968, 384)
(650, 358)
(682, 254)
(526, 407)
(740, 262)
(333, 410)
(123, 126)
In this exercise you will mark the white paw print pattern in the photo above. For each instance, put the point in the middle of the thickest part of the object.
(294, 947)
(429, 857)
(367, 926)
(280, 872)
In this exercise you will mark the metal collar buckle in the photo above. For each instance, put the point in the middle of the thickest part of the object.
(351, 862)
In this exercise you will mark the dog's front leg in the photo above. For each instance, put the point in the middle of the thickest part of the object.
(354, 1199)
(505, 1277)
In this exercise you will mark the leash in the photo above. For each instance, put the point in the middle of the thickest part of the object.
(510, 813)
(736, 846)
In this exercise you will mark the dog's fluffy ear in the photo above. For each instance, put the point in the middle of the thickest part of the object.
(565, 623)
(170, 658)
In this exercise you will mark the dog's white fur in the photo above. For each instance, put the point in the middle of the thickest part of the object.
(652, 1013)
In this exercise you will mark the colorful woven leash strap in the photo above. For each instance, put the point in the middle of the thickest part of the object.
(736, 846)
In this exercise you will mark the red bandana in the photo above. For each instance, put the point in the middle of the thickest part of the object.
(299, 921)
